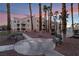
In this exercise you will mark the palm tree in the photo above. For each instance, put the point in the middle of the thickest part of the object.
(78, 9)
(51, 14)
(48, 27)
(31, 16)
(64, 20)
(45, 15)
(8, 17)
(40, 17)
(72, 16)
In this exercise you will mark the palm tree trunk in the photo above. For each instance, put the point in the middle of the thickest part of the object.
(50, 15)
(8, 17)
(78, 9)
(46, 21)
(64, 20)
(72, 16)
(31, 16)
(45, 18)
(40, 17)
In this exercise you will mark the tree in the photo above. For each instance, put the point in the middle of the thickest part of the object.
(49, 16)
(31, 16)
(8, 17)
(72, 16)
(78, 9)
(64, 20)
(48, 27)
(45, 17)
(40, 17)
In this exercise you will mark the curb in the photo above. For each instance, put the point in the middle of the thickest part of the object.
(6, 48)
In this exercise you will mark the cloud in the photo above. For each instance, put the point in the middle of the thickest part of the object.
(3, 17)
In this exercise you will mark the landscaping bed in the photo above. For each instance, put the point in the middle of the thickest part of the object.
(70, 47)
(45, 35)
(4, 40)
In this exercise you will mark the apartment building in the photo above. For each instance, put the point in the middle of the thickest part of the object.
(24, 24)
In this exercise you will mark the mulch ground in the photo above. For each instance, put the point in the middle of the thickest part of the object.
(70, 47)
(45, 35)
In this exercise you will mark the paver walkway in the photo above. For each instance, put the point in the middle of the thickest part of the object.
(36, 46)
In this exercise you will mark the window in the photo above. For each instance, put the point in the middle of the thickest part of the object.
(18, 25)
(23, 25)
(23, 29)
(28, 20)
(18, 29)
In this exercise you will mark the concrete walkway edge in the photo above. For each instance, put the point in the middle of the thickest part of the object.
(6, 48)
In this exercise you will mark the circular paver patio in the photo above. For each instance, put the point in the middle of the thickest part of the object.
(34, 46)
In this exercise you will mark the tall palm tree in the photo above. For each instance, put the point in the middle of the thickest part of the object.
(8, 17)
(40, 17)
(72, 16)
(78, 9)
(51, 14)
(31, 16)
(64, 20)
(48, 21)
(45, 15)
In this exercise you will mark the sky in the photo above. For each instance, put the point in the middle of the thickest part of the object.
(22, 10)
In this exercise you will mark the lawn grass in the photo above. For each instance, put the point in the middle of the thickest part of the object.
(6, 33)
(3, 38)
